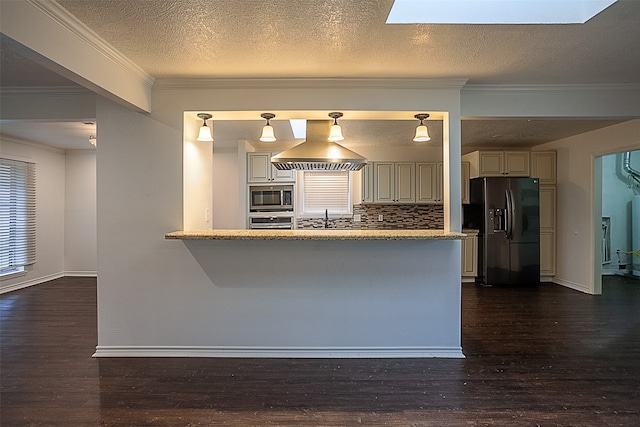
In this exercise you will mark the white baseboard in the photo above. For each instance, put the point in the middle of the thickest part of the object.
(43, 279)
(81, 274)
(572, 285)
(31, 282)
(280, 352)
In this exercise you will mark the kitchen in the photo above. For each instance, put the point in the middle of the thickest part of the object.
(338, 270)
(229, 260)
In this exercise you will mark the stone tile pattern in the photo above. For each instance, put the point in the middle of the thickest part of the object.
(394, 217)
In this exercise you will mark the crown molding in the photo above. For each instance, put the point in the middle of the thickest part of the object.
(62, 17)
(552, 87)
(46, 90)
(310, 83)
(39, 145)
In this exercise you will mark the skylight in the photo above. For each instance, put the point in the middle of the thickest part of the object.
(495, 11)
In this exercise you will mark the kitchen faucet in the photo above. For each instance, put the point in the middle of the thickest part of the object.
(326, 218)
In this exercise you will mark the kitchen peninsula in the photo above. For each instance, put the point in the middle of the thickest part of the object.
(317, 234)
(332, 293)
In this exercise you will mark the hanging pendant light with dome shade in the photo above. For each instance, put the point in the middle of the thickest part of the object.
(205, 131)
(422, 133)
(267, 129)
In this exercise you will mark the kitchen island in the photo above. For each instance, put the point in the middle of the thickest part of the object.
(320, 293)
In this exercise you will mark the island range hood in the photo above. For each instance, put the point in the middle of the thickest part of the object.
(317, 153)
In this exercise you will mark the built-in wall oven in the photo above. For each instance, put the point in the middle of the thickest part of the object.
(280, 222)
(271, 198)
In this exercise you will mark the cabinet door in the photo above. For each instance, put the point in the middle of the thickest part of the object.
(426, 182)
(259, 167)
(470, 257)
(405, 182)
(547, 207)
(384, 185)
(543, 167)
(466, 176)
(366, 174)
(491, 163)
(516, 163)
(282, 175)
(547, 253)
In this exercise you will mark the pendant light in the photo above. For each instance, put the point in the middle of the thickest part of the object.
(335, 133)
(422, 133)
(267, 130)
(205, 131)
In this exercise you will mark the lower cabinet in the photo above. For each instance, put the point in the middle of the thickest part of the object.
(470, 258)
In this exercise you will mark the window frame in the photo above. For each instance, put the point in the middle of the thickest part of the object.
(17, 215)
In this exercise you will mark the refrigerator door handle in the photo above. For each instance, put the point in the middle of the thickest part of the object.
(509, 211)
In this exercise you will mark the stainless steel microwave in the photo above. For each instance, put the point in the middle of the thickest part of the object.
(271, 198)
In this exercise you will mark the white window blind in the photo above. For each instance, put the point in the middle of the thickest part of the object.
(17, 215)
(326, 190)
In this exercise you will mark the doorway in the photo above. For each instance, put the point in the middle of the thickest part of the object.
(620, 221)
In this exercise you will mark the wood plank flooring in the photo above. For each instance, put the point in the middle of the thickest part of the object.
(542, 355)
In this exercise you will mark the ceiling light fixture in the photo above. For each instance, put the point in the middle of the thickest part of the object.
(267, 129)
(93, 140)
(205, 132)
(422, 133)
(335, 133)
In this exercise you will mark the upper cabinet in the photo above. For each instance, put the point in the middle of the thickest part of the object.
(543, 166)
(394, 182)
(498, 163)
(260, 169)
(367, 183)
(428, 182)
(466, 174)
(408, 182)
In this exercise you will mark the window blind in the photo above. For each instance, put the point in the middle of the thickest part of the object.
(17, 214)
(326, 190)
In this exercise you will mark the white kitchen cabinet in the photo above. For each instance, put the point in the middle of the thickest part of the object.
(394, 182)
(543, 166)
(547, 207)
(260, 169)
(498, 163)
(466, 175)
(547, 230)
(547, 253)
(470, 256)
(428, 182)
(366, 174)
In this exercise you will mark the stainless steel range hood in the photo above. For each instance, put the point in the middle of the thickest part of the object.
(316, 153)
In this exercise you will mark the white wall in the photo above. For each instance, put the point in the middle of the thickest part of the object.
(579, 208)
(50, 197)
(80, 243)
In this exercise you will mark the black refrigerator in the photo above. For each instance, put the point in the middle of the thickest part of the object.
(507, 213)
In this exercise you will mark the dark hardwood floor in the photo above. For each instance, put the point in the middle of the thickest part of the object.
(542, 355)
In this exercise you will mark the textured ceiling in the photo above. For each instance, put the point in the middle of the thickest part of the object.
(346, 38)
(349, 38)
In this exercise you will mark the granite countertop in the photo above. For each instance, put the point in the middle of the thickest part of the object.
(315, 234)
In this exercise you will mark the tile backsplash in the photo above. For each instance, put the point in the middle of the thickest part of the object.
(393, 216)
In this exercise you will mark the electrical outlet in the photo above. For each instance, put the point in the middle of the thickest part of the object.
(357, 218)
(380, 217)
